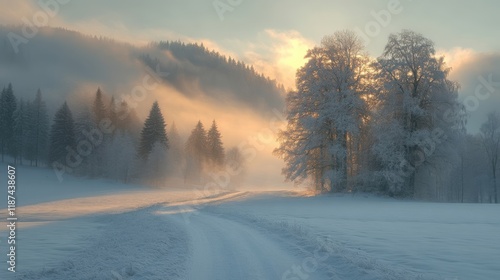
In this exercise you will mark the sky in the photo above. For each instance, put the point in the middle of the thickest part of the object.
(274, 36)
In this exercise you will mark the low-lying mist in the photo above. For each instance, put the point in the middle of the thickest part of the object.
(68, 66)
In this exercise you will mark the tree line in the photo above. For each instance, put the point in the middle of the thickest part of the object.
(24, 127)
(105, 139)
(390, 125)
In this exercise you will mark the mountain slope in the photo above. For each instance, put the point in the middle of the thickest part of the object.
(62, 62)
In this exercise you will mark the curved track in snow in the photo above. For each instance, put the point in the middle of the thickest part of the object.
(226, 249)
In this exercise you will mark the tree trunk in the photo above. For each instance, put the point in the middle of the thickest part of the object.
(462, 175)
(344, 165)
(495, 185)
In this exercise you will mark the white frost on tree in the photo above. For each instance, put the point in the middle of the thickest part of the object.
(418, 116)
(325, 113)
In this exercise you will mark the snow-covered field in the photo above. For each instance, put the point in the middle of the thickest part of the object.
(91, 229)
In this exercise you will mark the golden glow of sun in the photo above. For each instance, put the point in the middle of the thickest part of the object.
(284, 54)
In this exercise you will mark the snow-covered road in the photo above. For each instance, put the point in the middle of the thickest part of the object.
(226, 249)
(256, 236)
(158, 242)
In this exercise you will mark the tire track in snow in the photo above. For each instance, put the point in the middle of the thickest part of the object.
(226, 249)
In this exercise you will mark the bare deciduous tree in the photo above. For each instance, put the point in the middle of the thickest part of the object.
(490, 135)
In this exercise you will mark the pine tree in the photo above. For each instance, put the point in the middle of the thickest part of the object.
(98, 108)
(127, 119)
(196, 145)
(235, 164)
(176, 150)
(196, 154)
(84, 123)
(112, 111)
(38, 129)
(95, 160)
(120, 157)
(7, 109)
(215, 149)
(62, 134)
(153, 132)
(21, 130)
(157, 165)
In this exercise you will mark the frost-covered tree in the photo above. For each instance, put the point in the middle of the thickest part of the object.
(215, 149)
(153, 131)
(490, 136)
(418, 117)
(8, 106)
(62, 134)
(325, 114)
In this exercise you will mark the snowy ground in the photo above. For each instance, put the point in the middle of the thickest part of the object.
(104, 230)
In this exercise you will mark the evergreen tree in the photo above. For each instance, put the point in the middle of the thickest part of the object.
(112, 111)
(215, 150)
(21, 130)
(175, 141)
(7, 109)
(235, 164)
(62, 134)
(196, 145)
(95, 161)
(196, 153)
(120, 157)
(84, 123)
(98, 108)
(157, 165)
(127, 119)
(175, 150)
(153, 132)
(38, 132)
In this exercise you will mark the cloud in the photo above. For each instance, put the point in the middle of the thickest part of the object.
(12, 12)
(456, 58)
(37, 13)
(479, 76)
(278, 54)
